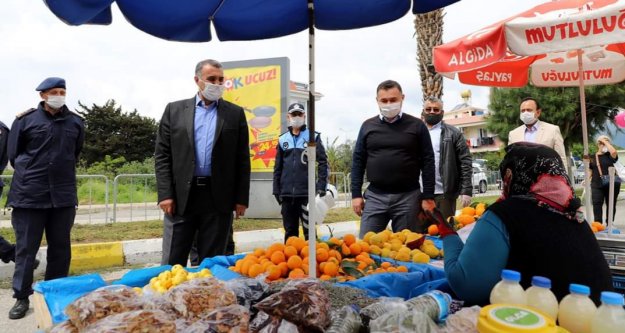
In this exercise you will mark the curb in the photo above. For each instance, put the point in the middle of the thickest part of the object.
(148, 251)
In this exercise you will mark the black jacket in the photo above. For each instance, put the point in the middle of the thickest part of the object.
(290, 175)
(43, 149)
(175, 155)
(455, 165)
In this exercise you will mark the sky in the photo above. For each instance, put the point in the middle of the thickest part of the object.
(142, 72)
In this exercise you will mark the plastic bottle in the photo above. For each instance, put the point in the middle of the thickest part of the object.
(577, 310)
(508, 290)
(436, 304)
(540, 296)
(610, 317)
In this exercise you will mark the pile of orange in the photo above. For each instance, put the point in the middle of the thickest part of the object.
(469, 215)
(597, 226)
(337, 259)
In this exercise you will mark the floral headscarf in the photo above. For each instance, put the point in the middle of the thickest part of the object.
(535, 172)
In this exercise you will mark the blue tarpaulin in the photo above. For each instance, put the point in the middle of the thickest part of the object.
(420, 278)
(59, 293)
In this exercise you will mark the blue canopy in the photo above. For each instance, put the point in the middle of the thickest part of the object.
(190, 20)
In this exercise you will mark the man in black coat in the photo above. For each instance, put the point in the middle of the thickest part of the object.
(202, 168)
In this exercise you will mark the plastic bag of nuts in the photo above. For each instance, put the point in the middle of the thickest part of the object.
(303, 302)
(196, 298)
(229, 319)
(101, 303)
(138, 321)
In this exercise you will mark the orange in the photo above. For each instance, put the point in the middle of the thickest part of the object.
(304, 252)
(331, 269)
(322, 255)
(259, 252)
(284, 268)
(299, 243)
(349, 239)
(290, 251)
(266, 264)
(364, 246)
(402, 269)
(291, 240)
(252, 257)
(385, 264)
(468, 211)
(594, 229)
(323, 246)
(273, 248)
(355, 249)
(297, 274)
(345, 250)
(335, 241)
(362, 265)
(273, 272)
(294, 262)
(391, 269)
(278, 257)
(245, 267)
(255, 270)
(335, 254)
(433, 230)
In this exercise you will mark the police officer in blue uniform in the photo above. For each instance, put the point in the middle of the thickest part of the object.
(290, 175)
(44, 144)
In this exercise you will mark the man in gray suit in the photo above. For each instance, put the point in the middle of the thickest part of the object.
(202, 168)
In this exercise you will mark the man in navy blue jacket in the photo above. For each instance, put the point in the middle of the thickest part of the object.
(43, 146)
(290, 174)
(395, 149)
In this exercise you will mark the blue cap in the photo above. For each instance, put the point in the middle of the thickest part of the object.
(50, 83)
(608, 297)
(541, 281)
(508, 274)
(579, 289)
(296, 107)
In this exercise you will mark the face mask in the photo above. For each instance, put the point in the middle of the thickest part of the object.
(432, 119)
(296, 122)
(527, 117)
(55, 102)
(389, 111)
(212, 92)
(604, 149)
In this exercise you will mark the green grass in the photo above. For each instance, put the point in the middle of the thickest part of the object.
(110, 232)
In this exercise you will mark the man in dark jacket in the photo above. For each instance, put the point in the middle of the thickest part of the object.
(290, 173)
(44, 144)
(202, 163)
(452, 160)
(395, 149)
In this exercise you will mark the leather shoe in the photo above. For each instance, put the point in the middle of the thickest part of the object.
(20, 308)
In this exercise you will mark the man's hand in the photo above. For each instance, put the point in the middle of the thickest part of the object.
(278, 199)
(321, 193)
(465, 200)
(358, 204)
(428, 205)
(239, 210)
(168, 206)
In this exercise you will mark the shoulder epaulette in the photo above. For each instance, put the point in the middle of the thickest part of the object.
(23, 113)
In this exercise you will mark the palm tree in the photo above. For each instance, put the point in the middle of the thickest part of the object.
(429, 33)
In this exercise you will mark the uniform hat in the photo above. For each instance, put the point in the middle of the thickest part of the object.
(296, 107)
(50, 83)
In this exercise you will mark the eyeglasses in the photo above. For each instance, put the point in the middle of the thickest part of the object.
(432, 110)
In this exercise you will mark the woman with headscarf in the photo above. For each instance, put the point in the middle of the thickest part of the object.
(534, 228)
(605, 157)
